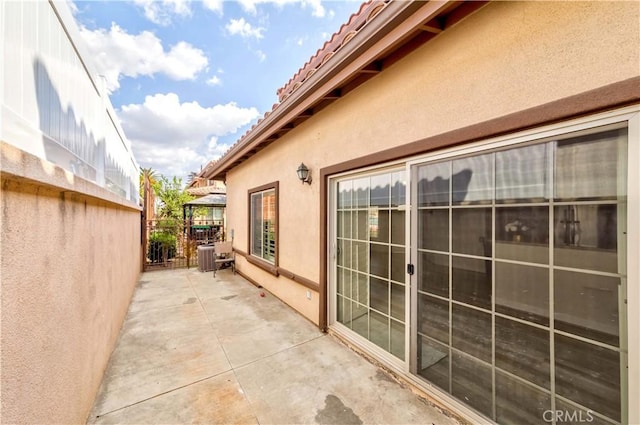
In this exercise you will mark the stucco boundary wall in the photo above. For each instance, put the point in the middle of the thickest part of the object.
(70, 260)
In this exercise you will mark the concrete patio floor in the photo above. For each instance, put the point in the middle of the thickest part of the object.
(199, 349)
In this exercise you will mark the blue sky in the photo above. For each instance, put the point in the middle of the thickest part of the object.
(188, 78)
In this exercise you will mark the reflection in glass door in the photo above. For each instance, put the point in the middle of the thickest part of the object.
(520, 278)
(370, 258)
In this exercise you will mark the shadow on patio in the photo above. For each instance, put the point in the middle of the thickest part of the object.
(198, 349)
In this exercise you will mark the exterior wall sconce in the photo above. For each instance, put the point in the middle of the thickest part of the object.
(304, 174)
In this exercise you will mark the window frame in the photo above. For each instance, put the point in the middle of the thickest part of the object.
(271, 267)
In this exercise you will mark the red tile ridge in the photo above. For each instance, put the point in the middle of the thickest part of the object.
(347, 31)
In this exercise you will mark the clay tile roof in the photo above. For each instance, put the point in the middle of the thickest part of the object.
(346, 32)
(205, 190)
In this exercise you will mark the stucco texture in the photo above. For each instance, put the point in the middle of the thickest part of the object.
(291, 244)
(69, 266)
(507, 57)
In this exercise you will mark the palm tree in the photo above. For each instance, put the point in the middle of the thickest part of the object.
(193, 176)
(148, 187)
(148, 174)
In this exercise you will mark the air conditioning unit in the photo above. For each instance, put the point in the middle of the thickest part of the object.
(206, 257)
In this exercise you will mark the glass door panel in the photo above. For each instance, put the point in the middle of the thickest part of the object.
(587, 305)
(472, 180)
(519, 277)
(586, 236)
(471, 281)
(523, 351)
(520, 403)
(370, 259)
(522, 233)
(471, 231)
(588, 374)
(522, 292)
(433, 229)
(434, 184)
(522, 174)
(433, 273)
(434, 362)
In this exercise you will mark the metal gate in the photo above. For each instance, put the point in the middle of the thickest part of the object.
(173, 243)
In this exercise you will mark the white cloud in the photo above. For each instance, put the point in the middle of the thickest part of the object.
(214, 81)
(182, 124)
(183, 61)
(169, 161)
(214, 5)
(215, 149)
(118, 53)
(184, 135)
(161, 11)
(317, 9)
(249, 6)
(244, 29)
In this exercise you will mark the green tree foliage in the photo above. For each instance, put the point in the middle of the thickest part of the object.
(172, 196)
(162, 246)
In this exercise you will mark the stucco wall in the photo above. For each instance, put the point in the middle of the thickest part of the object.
(290, 242)
(69, 264)
(507, 57)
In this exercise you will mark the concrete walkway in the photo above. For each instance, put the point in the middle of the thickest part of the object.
(199, 349)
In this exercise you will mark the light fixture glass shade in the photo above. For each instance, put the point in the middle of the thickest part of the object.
(303, 172)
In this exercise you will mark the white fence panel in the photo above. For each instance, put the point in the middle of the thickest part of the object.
(54, 104)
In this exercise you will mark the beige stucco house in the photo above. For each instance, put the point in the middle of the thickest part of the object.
(70, 252)
(473, 216)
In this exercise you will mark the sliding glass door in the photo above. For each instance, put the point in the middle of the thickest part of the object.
(520, 278)
(370, 258)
